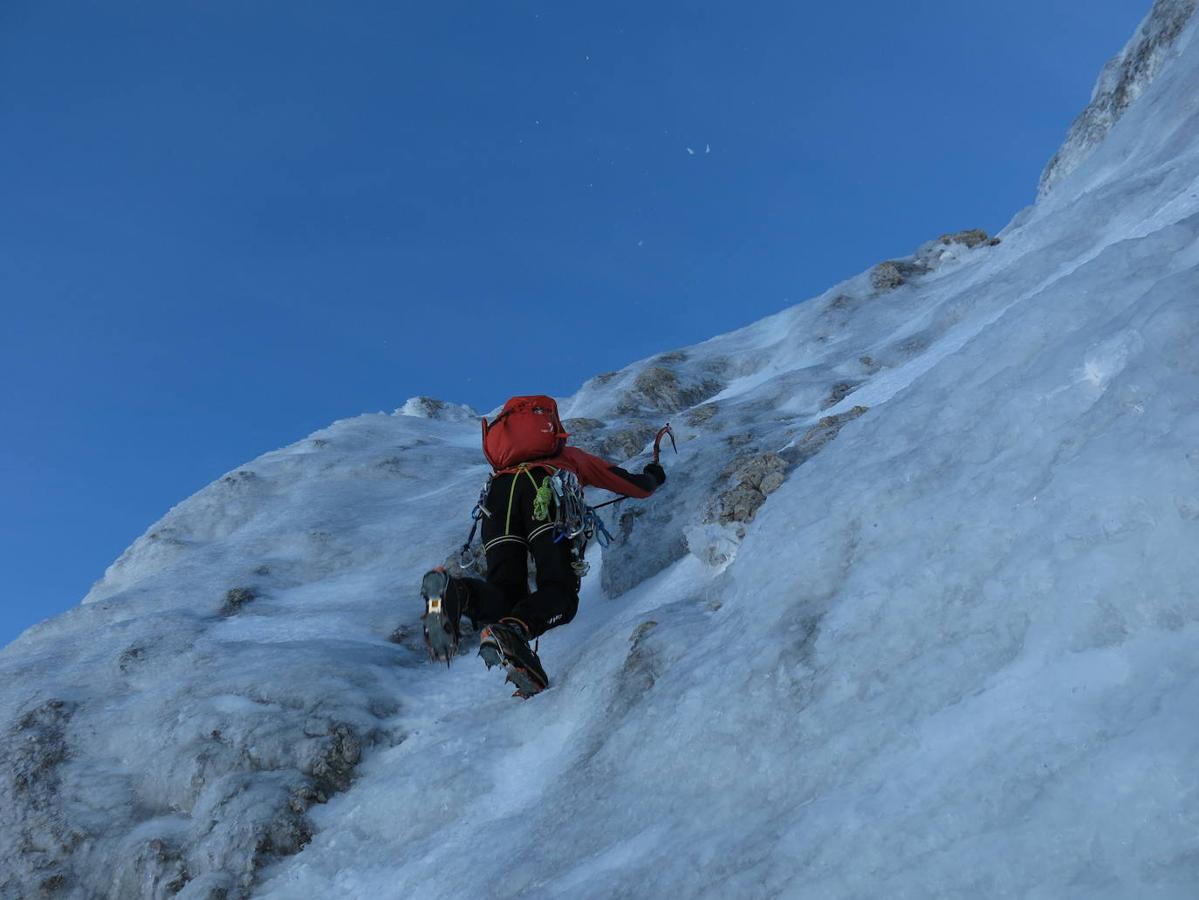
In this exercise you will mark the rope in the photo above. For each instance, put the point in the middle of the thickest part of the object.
(541, 502)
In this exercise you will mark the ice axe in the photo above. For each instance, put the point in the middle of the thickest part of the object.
(664, 431)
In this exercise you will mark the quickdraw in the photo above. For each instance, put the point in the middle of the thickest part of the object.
(574, 520)
(465, 559)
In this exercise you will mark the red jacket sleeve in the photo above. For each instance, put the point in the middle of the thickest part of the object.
(594, 472)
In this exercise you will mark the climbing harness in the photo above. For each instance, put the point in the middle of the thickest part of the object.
(559, 499)
(559, 503)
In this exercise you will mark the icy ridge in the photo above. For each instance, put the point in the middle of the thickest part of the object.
(1125, 78)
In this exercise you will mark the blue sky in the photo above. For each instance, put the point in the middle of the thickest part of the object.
(225, 225)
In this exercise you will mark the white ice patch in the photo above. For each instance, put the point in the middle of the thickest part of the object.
(713, 544)
(1108, 358)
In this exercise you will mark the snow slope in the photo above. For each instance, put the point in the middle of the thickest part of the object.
(914, 616)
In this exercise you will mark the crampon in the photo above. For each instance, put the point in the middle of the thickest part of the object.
(505, 644)
(441, 616)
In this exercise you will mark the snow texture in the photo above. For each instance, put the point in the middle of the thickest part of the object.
(915, 614)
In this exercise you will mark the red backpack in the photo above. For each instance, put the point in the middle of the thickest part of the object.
(527, 428)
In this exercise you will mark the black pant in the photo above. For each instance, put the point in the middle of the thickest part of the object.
(510, 536)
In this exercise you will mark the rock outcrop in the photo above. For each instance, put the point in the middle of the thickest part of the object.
(752, 478)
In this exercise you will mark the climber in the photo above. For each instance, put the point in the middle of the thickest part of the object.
(535, 479)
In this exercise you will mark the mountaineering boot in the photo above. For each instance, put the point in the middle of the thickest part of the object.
(506, 643)
(442, 612)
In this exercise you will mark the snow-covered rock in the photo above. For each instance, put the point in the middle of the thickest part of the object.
(950, 651)
(430, 408)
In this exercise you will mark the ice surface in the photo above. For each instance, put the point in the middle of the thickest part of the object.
(952, 655)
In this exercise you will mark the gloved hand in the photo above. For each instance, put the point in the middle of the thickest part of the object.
(655, 471)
